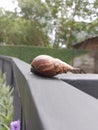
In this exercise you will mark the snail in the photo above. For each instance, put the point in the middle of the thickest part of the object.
(46, 65)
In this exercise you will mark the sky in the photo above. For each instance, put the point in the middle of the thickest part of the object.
(12, 4)
(9, 4)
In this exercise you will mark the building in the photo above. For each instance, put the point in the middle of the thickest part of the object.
(88, 44)
(88, 62)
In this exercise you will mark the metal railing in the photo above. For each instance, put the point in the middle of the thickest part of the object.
(49, 103)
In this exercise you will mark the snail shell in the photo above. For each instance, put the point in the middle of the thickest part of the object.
(46, 65)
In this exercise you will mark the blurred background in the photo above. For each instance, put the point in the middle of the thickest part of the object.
(61, 28)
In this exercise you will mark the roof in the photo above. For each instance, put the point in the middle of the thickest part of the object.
(85, 41)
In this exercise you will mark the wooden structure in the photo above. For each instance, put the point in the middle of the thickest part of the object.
(88, 44)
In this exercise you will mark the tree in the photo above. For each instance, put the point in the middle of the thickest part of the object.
(61, 16)
(63, 20)
(69, 27)
(17, 30)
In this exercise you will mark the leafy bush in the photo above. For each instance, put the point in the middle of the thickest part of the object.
(6, 104)
(27, 53)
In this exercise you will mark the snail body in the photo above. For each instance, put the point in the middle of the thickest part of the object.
(46, 65)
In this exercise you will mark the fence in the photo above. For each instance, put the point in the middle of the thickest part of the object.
(50, 103)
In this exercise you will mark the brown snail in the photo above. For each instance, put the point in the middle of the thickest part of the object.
(48, 66)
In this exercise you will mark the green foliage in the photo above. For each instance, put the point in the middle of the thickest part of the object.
(6, 104)
(69, 19)
(62, 16)
(27, 53)
(16, 30)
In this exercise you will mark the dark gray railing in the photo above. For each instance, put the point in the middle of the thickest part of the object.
(50, 103)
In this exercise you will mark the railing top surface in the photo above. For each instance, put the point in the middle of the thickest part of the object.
(71, 76)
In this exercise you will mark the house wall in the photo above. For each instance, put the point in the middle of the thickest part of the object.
(85, 62)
